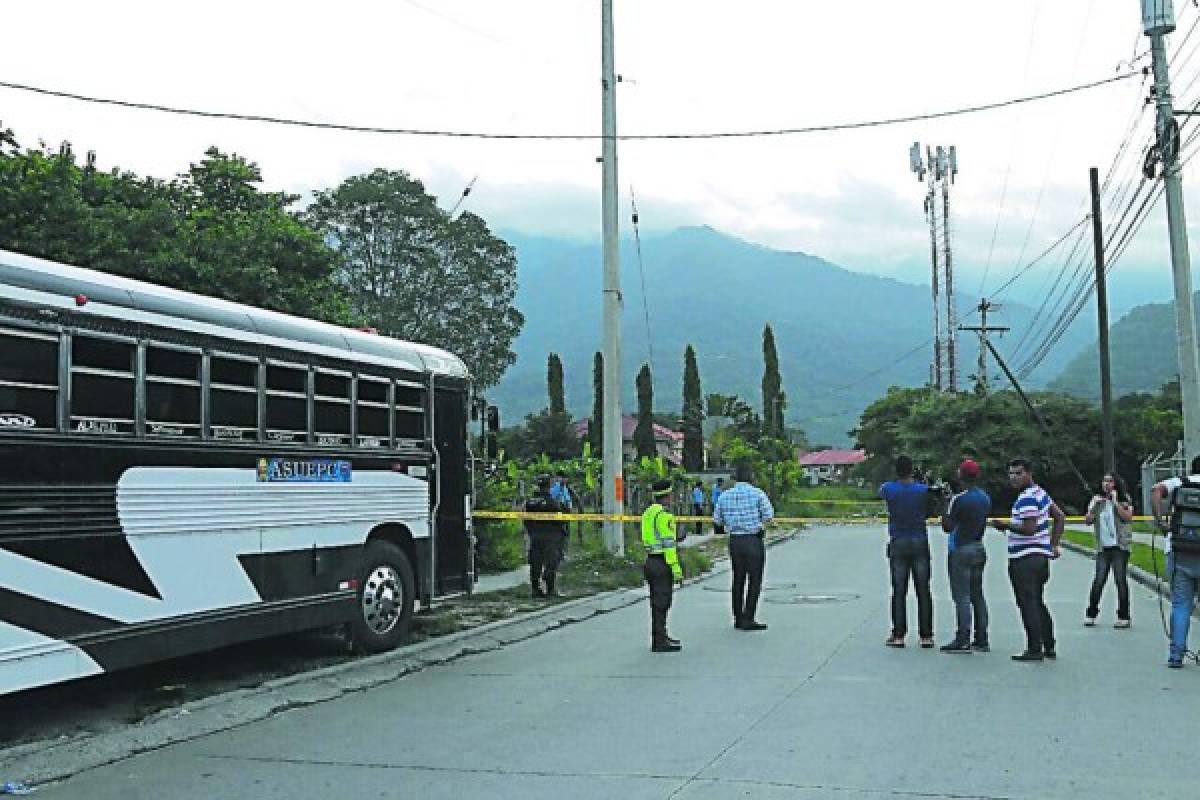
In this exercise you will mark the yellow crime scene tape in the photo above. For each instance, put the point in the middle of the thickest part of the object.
(542, 516)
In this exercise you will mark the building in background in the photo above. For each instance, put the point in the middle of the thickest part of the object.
(830, 466)
(668, 444)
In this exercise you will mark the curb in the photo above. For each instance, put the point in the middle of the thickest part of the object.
(39, 763)
(1138, 574)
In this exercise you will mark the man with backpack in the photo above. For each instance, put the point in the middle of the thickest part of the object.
(1183, 552)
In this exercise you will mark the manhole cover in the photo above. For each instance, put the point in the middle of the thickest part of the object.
(811, 599)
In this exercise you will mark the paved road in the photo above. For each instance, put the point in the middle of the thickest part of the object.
(815, 707)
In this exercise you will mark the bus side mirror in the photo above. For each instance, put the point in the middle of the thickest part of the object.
(493, 419)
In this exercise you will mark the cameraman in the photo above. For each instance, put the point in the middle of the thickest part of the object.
(908, 551)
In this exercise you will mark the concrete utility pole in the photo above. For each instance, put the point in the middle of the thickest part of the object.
(614, 479)
(1158, 19)
(1106, 420)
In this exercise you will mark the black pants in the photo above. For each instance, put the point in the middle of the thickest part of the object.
(910, 557)
(661, 583)
(1116, 560)
(1029, 575)
(545, 553)
(748, 554)
(698, 511)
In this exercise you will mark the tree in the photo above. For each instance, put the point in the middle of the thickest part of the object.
(544, 434)
(413, 271)
(693, 414)
(211, 230)
(774, 401)
(596, 424)
(554, 384)
(643, 434)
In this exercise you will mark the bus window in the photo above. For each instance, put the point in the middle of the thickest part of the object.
(409, 411)
(233, 398)
(287, 403)
(172, 392)
(102, 385)
(372, 411)
(331, 407)
(28, 380)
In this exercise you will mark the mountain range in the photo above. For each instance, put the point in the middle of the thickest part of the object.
(843, 337)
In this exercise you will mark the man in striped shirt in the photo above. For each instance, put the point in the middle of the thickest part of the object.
(1032, 542)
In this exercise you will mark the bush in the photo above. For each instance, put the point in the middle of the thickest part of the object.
(501, 545)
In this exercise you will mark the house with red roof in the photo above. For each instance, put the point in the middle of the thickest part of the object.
(668, 443)
(829, 466)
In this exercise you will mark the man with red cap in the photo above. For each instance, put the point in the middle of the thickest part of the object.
(966, 520)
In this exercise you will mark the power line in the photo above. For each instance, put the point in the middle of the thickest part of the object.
(377, 129)
(637, 238)
(1041, 255)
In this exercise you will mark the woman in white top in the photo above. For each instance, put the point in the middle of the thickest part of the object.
(1110, 513)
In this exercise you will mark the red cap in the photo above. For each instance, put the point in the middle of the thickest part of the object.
(968, 469)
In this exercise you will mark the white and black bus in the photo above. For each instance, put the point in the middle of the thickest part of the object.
(179, 473)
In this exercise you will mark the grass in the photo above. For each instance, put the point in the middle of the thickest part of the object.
(829, 501)
(1140, 556)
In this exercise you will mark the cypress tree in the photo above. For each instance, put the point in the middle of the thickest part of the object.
(643, 434)
(554, 384)
(693, 414)
(774, 400)
(596, 425)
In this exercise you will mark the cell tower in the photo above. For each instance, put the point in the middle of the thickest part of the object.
(937, 169)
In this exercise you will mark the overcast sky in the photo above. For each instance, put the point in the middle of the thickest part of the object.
(688, 65)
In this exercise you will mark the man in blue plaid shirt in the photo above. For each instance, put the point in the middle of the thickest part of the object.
(744, 511)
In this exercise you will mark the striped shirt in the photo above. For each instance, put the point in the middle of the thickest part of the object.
(1033, 503)
(743, 509)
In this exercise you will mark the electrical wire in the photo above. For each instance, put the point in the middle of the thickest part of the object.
(637, 238)
(460, 134)
(1040, 256)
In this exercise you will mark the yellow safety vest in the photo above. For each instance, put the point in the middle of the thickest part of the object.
(658, 536)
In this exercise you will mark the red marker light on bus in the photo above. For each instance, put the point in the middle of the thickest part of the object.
(81, 299)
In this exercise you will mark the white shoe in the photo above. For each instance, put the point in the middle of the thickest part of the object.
(1089, 621)
(1122, 623)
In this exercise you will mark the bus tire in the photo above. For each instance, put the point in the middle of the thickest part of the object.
(386, 596)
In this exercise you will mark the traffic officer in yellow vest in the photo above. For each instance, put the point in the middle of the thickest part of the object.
(662, 568)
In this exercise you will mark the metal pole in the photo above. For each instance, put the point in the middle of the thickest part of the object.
(951, 315)
(984, 307)
(931, 210)
(1158, 20)
(1106, 420)
(614, 481)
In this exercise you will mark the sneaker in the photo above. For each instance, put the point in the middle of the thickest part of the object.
(1122, 623)
(957, 647)
(1175, 663)
(1027, 656)
(982, 647)
(1089, 622)
(1050, 653)
(666, 647)
(895, 641)
(927, 642)
(751, 625)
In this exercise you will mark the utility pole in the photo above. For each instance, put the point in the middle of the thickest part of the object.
(1106, 420)
(614, 478)
(1158, 19)
(983, 330)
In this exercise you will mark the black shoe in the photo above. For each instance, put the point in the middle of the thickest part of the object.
(1050, 653)
(751, 625)
(672, 640)
(552, 593)
(1028, 655)
(666, 647)
(957, 647)
(537, 592)
(982, 647)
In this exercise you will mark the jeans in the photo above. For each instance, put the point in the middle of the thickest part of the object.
(966, 564)
(1183, 569)
(748, 554)
(1029, 575)
(1116, 560)
(910, 557)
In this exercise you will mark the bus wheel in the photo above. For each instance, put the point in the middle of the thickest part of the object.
(386, 592)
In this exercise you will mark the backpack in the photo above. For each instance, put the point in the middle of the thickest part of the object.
(1185, 517)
